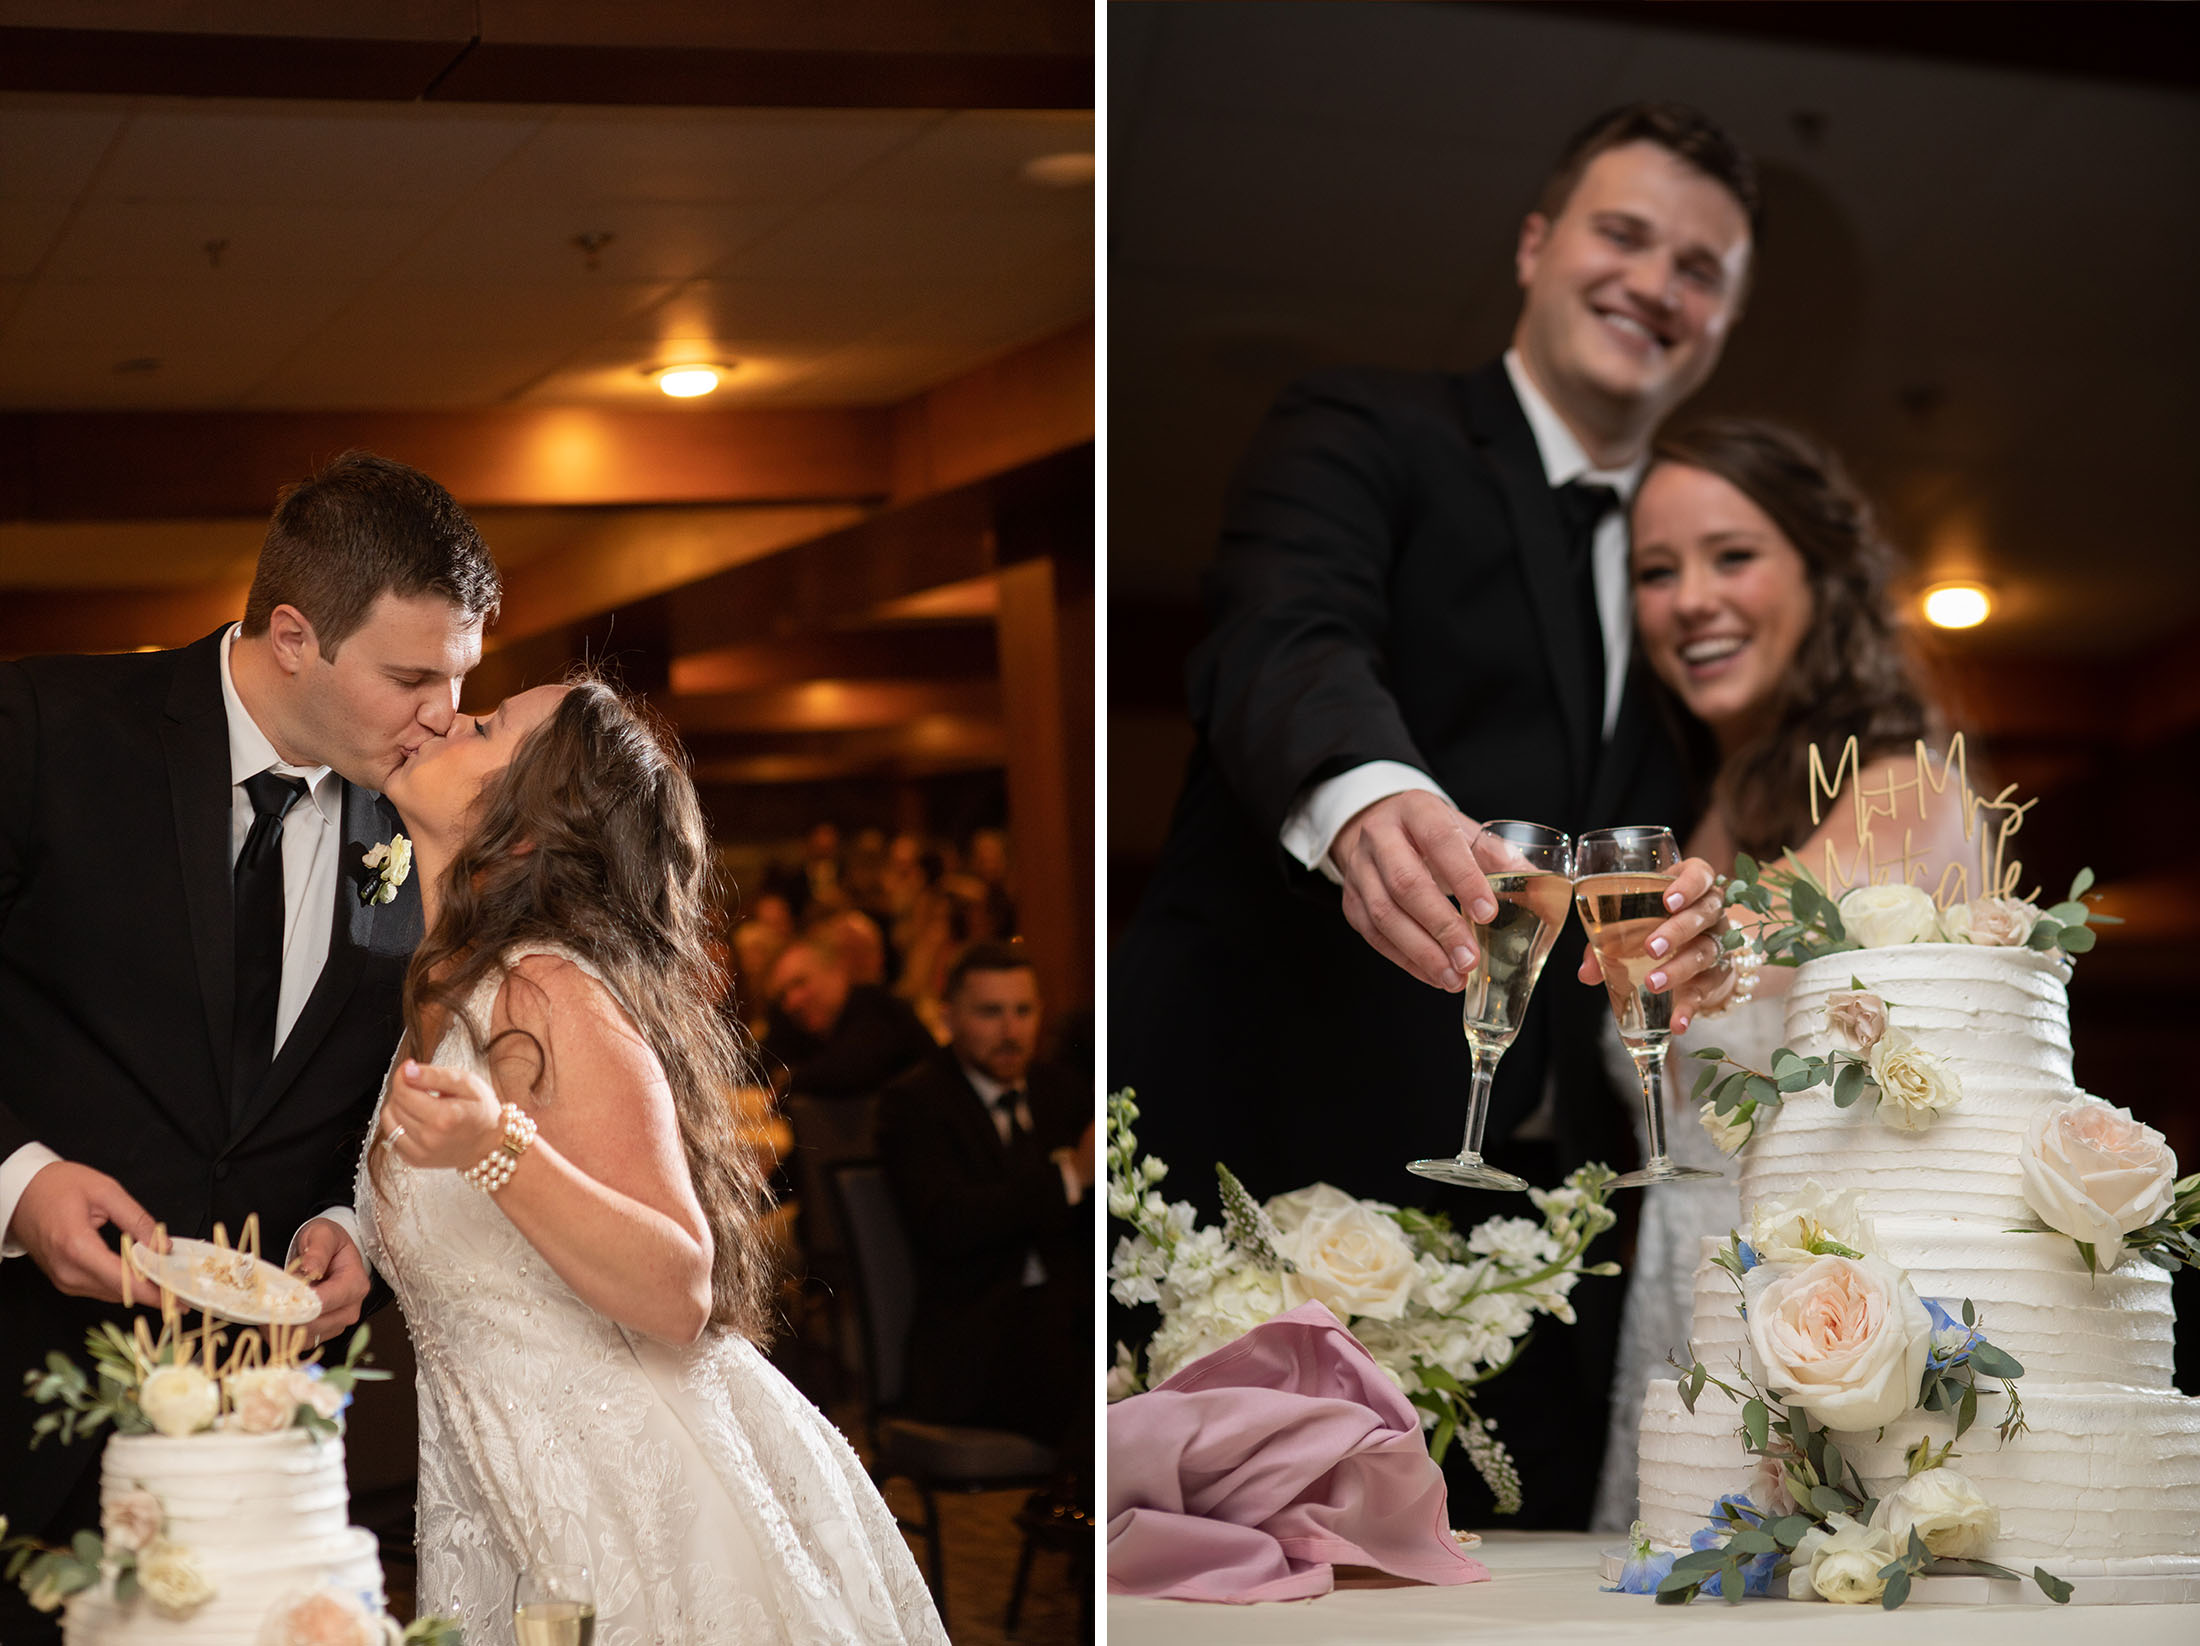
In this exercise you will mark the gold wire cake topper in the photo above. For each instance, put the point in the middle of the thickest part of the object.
(1999, 873)
(272, 1342)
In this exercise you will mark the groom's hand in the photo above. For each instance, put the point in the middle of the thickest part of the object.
(59, 1220)
(1694, 969)
(326, 1257)
(1398, 859)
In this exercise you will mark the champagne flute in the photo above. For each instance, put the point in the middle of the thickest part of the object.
(554, 1606)
(1621, 876)
(1530, 871)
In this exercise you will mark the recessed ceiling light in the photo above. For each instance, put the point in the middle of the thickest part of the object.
(1957, 605)
(1075, 170)
(686, 382)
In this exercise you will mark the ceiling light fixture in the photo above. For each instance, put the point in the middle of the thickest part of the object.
(686, 382)
(1074, 170)
(1957, 605)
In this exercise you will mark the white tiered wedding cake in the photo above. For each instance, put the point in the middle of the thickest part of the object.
(2103, 1483)
(263, 1522)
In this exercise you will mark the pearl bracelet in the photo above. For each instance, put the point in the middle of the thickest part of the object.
(1745, 963)
(494, 1169)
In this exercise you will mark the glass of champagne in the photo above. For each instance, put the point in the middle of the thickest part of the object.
(1621, 876)
(1530, 871)
(554, 1606)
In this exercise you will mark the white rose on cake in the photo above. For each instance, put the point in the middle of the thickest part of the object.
(172, 1579)
(1784, 1231)
(1350, 1254)
(1991, 922)
(1856, 1018)
(1727, 1131)
(1881, 917)
(1944, 1509)
(264, 1400)
(2094, 1173)
(131, 1519)
(1843, 1337)
(1841, 1561)
(179, 1400)
(1914, 1085)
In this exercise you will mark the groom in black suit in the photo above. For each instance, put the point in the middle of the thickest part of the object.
(199, 992)
(1419, 619)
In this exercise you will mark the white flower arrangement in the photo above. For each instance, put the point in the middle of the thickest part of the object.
(1839, 1338)
(1909, 1086)
(392, 862)
(1440, 1312)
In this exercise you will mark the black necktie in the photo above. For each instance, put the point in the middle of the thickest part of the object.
(1582, 506)
(259, 898)
(1019, 1135)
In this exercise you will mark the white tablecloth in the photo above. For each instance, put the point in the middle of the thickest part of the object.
(1544, 1588)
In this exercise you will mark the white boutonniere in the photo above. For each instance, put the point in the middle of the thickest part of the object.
(392, 861)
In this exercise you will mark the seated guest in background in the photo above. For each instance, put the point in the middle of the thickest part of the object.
(755, 947)
(861, 945)
(991, 1161)
(835, 1037)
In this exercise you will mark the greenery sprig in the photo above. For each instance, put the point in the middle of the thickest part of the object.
(1800, 919)
(1748, 1096)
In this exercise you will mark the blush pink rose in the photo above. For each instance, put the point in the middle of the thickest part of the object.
(1845, 1338)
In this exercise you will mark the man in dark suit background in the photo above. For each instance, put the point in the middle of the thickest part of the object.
(833, 1036)
(197, 992)
(1419, 619)
(991, 1161)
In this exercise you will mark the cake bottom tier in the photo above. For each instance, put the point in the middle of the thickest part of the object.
(2100, 1474)
(247, 1583)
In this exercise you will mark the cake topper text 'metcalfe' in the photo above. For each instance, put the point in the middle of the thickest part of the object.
(1989, 825)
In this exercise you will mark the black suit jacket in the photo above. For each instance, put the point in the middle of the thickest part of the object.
(973, 1213)
(1391, 585)
(877, 1038)
(117, 979)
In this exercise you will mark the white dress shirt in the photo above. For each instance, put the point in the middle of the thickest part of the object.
(312, 841)
(1325, 808)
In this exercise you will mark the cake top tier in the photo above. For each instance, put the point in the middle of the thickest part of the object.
(1996, 1013)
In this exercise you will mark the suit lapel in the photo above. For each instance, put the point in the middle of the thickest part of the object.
(194, 735)
(1500, 428)
(358, 930)
(977, 1119)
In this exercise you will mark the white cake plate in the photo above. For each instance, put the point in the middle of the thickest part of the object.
(2093, 1583)
(231, 1284)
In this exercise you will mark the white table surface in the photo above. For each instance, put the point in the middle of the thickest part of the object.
(1544, 1588)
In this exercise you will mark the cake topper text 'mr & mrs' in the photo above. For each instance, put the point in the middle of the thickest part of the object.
(1988, 825)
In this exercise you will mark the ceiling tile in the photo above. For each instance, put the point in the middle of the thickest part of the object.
(533, 241)
(702, 155)
(170, 240)
(50, 146)
(298, 153)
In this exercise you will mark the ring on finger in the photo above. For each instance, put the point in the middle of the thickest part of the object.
(389, 1140)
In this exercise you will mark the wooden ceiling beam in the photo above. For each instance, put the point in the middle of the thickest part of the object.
(936, 743)
(947, 651)
(1019, 54)
(835, 705)
(180, 465)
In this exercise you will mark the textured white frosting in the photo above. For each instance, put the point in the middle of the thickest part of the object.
(265, 1516)
(2106, 1477)
(2099, 1474)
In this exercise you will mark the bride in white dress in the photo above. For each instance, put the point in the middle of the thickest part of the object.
(556, 1194)
(1763, 606)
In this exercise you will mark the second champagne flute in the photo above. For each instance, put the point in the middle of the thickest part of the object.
(1529, 868)
(1621, 879)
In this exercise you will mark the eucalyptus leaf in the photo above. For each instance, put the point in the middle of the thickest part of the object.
(1897, 1591)
(2077, 940)
(2053, 1587)
(1677, 1596)
(2046, 935)
(1755, 1422)
(1828, 1501)
(1967, 1409)
(1995, 1362)
(2080, 884)
(1970, 1313)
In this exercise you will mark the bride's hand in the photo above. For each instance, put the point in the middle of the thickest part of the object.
(440, 1117)
(1694, 969)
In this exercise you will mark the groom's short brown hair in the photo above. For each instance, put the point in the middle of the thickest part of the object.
(360, 528)
(1686, 133)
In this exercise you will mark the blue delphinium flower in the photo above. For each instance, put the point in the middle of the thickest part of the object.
(1756, 1569)
(1747, 1253)
(1647, 1566)
(1952, 1340)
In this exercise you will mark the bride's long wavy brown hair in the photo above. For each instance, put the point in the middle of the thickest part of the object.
(592, 838)
(1852, 675)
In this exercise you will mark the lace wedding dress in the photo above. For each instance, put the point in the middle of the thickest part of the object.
(711, 1502)
(1654, 1320)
